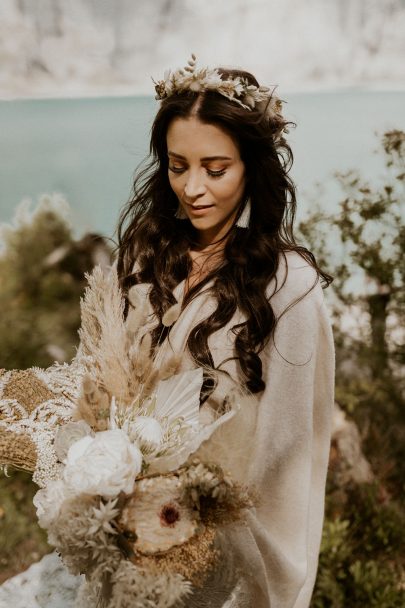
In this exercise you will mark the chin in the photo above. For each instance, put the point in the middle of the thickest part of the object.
(202, 223)
(205, 226)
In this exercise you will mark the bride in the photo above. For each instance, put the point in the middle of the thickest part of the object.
(210, 227)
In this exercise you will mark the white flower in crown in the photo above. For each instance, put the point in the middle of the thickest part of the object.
(213, 80)
(230, 88)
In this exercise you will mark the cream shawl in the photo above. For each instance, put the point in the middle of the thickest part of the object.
(278, 550)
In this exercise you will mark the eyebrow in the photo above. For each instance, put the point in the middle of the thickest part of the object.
(203, 159)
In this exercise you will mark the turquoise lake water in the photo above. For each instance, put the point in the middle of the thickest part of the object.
(88, 149)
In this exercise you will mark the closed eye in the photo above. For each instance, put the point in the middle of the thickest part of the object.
(216, 173)
(210, 173)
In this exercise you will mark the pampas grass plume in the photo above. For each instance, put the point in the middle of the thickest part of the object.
(106, 340)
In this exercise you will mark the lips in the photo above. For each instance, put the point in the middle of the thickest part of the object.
(200, 206)
(198, 210)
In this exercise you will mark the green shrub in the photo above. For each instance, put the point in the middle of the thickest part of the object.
(361, 562)
(361, 559)
(42, 279)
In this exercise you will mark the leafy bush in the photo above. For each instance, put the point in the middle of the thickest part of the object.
(22, 541)
(361, 552)
(42, 279)
(360, 561)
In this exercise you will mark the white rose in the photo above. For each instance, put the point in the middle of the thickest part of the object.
(67, 435)
(49, 500)
(105, 464)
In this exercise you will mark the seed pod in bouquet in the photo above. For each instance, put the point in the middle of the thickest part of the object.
(140, 357)
(170, 367)
(171, 315)
(85, 412)
(135, 320)
(150, 381)
(89, 403)
(88, 385)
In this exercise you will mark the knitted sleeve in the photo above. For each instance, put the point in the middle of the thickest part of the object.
(281, 544)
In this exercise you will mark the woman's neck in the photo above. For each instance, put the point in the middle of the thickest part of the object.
(205, 258)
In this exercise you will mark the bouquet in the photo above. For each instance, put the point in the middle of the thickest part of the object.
(134, 489)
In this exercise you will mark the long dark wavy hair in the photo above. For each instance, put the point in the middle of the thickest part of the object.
(150, 234)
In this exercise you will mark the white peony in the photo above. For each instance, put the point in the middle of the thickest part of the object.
(67, 435)
(49, 500)
(105, 464)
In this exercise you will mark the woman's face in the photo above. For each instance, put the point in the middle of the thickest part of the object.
(207, 175)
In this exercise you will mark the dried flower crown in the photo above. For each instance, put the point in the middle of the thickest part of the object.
(236, 89)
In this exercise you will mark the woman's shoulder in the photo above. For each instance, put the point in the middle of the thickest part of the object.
(296, 269)
(295, 278)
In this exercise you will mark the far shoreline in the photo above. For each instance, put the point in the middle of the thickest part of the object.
(127, 91)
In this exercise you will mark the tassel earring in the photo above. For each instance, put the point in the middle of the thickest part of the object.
(180, 213)
(244, 219)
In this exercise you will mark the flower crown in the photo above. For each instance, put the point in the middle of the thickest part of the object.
(237, 89)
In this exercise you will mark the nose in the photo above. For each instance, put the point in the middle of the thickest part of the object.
(194, 186)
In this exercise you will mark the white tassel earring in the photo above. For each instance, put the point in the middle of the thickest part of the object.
(180, 213)
(244, 219)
